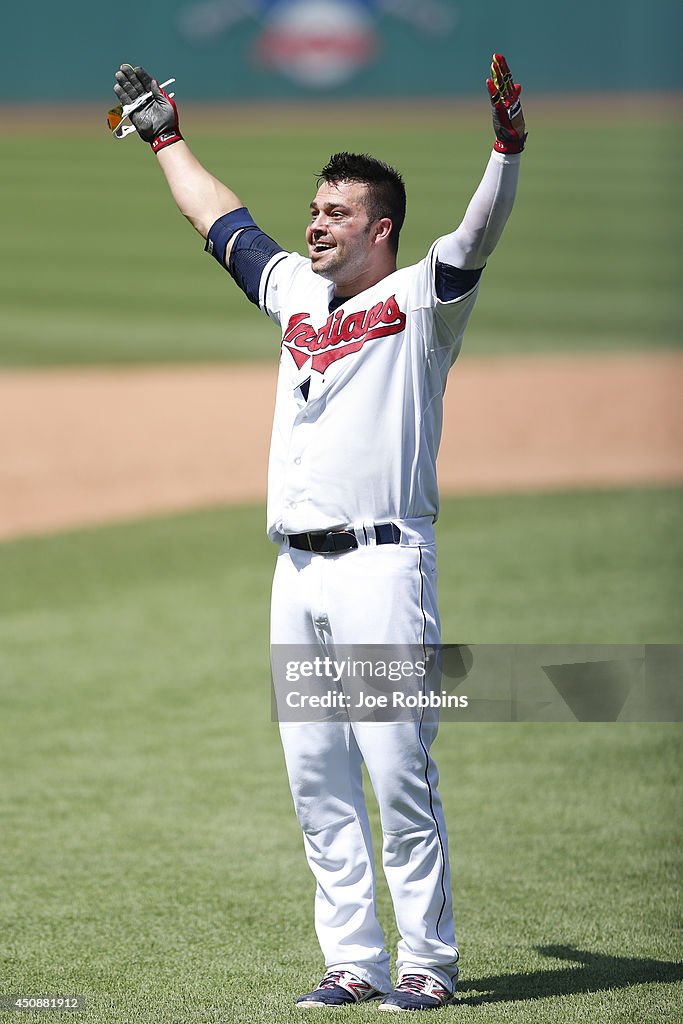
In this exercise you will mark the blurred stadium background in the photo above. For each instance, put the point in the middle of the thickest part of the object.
(281, 49)
(133, 656)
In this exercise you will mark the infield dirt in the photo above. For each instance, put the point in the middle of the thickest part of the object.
(91, 445)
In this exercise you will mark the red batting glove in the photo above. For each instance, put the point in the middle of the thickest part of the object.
(506, 108)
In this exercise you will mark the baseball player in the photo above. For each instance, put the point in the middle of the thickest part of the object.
(352, 500)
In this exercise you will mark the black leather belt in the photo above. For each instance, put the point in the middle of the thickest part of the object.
(333, 542)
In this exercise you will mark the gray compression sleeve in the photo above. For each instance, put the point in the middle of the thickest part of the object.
(470, 245)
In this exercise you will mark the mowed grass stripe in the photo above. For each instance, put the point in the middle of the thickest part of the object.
(151, 859)
(583, 567)
(103, 269)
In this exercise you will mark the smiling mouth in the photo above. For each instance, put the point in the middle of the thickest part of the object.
(321, 247)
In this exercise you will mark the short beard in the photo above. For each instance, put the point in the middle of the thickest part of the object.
(329, 275)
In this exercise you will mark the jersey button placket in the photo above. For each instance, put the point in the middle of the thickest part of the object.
(295, 491)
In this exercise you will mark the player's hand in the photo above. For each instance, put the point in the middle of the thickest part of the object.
(508, 120)
(157, 121)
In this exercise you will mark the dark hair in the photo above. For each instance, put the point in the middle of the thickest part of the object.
(386, 196)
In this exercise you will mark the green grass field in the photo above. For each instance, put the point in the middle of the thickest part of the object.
(98, 267)
(150, 856)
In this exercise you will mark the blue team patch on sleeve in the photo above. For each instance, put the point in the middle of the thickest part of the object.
(451, 282)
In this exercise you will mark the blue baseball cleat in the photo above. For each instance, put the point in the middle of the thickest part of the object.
(417, 991)
(338, 988)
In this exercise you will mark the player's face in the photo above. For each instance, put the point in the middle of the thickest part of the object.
(338, 235)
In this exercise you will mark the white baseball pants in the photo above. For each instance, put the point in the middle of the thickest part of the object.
(371, 595)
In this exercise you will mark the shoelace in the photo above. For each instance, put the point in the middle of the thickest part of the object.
(417, 984)
(331, 979)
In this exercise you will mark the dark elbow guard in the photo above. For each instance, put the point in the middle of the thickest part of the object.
(223, 229)
(250, 253)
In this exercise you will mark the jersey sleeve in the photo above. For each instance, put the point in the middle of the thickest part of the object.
(279, 279)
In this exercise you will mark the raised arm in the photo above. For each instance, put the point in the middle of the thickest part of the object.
(212, 208)
(199, 196)
(470, 245)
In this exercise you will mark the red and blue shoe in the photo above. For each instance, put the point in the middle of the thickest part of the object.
(338, 988)
(417, 991)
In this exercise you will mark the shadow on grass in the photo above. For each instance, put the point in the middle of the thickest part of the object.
(590, 972)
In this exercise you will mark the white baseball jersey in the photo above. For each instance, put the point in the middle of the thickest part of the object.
(358, 444)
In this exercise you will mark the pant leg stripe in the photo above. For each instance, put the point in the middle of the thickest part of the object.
(427, 763)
